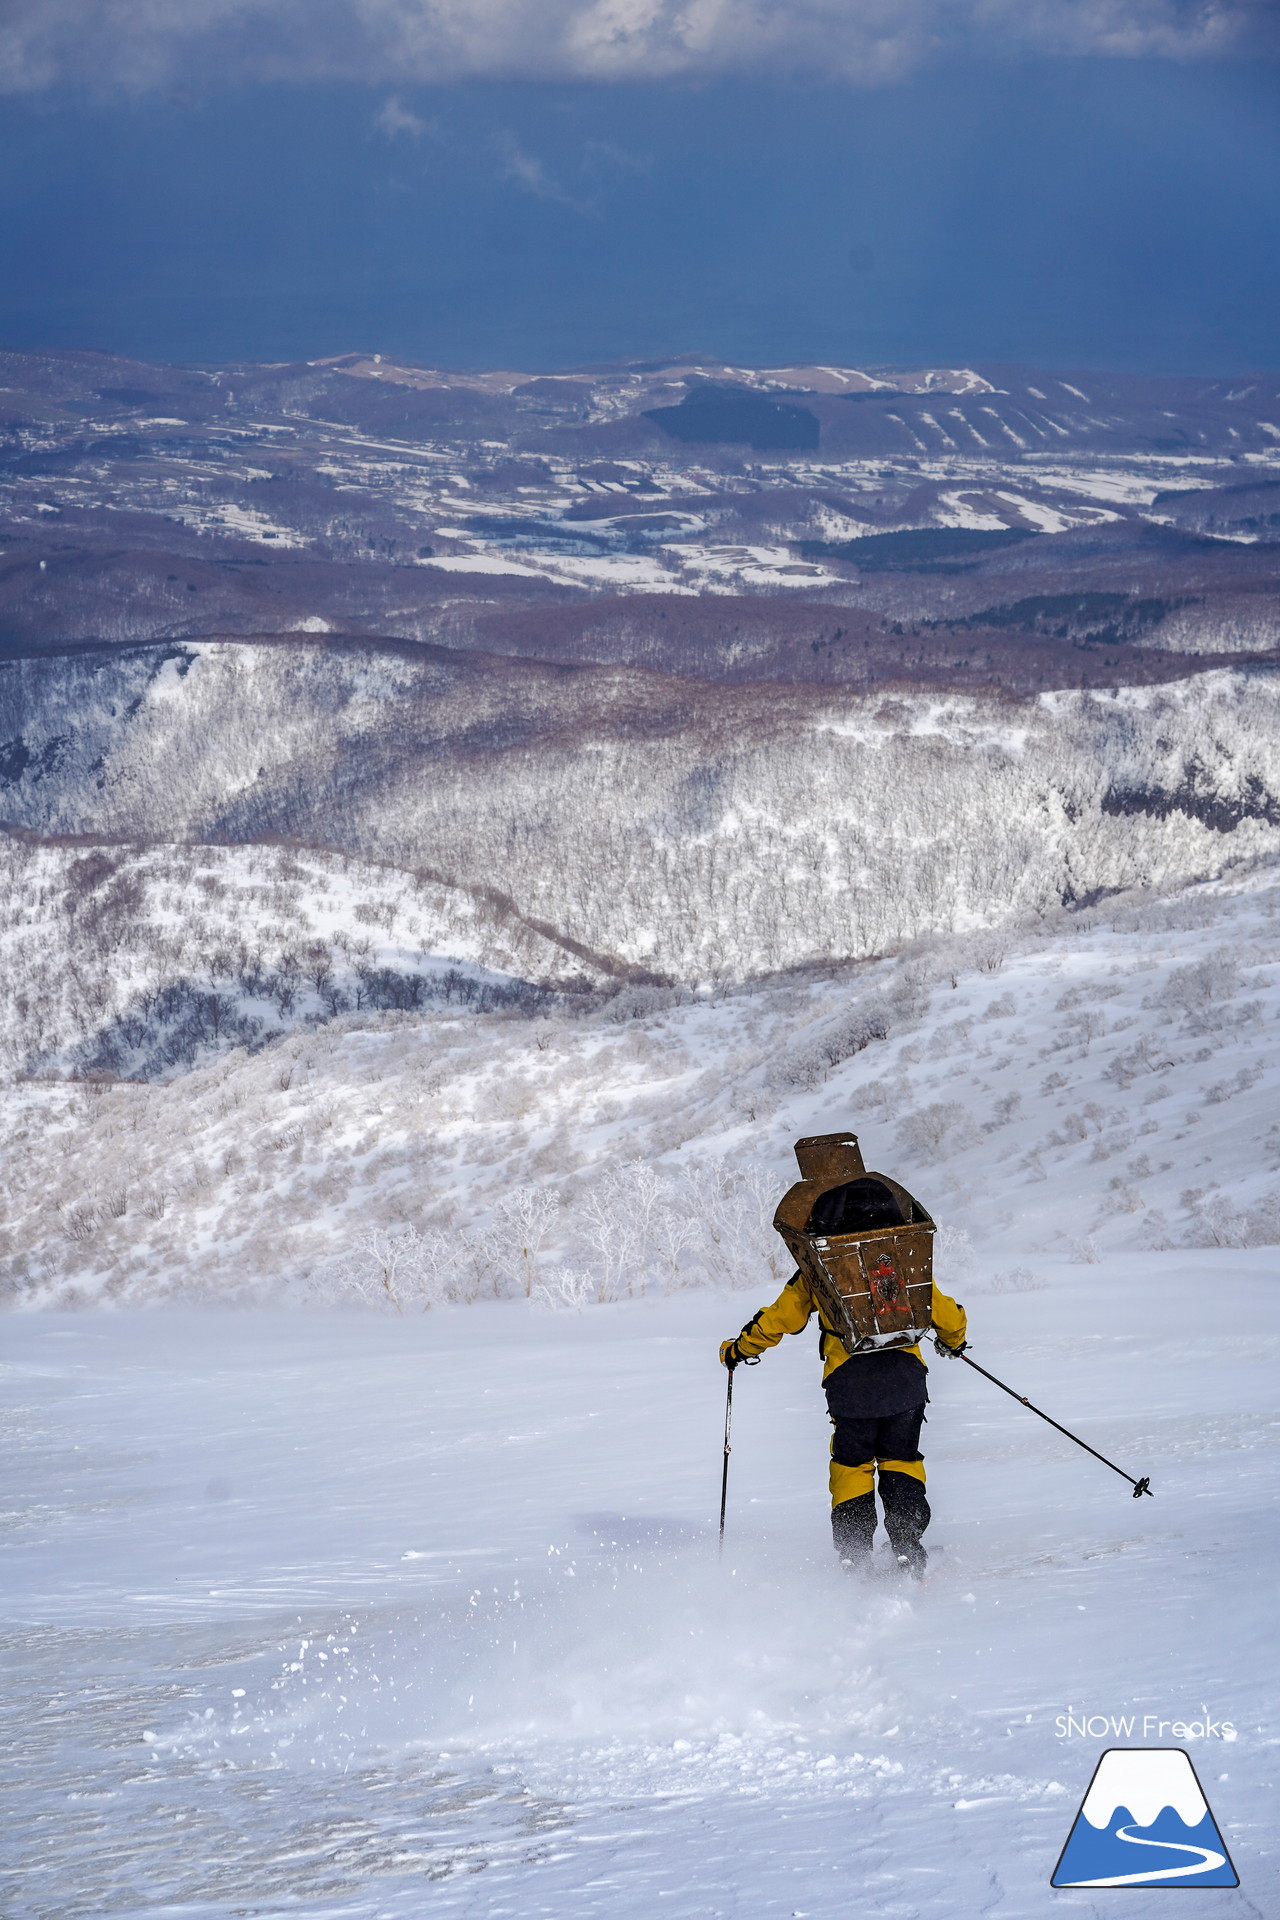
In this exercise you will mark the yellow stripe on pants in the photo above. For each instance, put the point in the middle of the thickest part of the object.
(850, 1483)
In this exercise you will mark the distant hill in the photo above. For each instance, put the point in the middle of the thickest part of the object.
(833, 513)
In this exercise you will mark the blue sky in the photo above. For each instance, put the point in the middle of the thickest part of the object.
(1056, 208)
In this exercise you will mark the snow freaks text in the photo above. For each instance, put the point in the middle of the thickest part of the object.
(1146, 1726)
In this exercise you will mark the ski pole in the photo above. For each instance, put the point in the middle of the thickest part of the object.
(958, 1353)
(724, 1477)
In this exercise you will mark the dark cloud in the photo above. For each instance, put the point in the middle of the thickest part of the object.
(143, 44)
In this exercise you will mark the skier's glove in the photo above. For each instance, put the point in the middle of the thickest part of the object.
(729, 1355)
(944, 1347)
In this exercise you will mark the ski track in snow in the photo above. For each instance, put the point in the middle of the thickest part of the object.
(338, 1615)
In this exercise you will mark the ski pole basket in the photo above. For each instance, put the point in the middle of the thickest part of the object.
(863, 1243)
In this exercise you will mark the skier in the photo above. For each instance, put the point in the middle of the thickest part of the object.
(876, 1399)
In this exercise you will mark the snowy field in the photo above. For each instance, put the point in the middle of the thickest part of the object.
(682, 525)
(329, 1614)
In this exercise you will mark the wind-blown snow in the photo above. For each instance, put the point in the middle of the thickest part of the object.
(352, 1616)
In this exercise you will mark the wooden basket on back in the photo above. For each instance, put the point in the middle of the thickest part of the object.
(874, 1286)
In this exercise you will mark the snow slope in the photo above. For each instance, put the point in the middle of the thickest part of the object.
(1096, 1082)
(335, 1615)
(137, 961)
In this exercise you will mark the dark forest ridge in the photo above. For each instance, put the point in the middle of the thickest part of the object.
(814, 645)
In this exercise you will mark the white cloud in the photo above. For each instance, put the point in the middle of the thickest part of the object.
(394, 118)
(145, 43)
(532, 174)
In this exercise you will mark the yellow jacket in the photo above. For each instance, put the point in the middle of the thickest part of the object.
(795, 1306)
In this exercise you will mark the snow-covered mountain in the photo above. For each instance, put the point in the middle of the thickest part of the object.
(456, 834)
(1099, 1081)
(135, 963)
(358, 713)
(648, 825)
